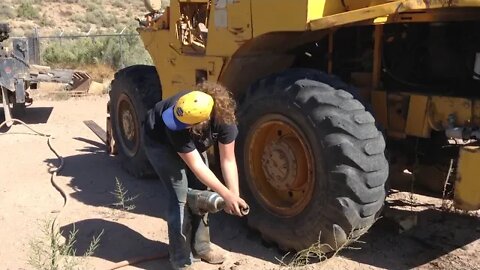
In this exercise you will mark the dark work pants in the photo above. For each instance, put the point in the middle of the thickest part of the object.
(188, 233)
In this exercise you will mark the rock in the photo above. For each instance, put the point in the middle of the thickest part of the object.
(96, 88)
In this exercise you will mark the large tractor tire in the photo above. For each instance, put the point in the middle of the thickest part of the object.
(311, 159)
(133, 92)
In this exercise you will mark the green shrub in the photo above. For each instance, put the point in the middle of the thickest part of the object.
(6, 12)
(45, 21)
(119, 4)
(113, 51)
(92, 7)
(100, 18)
(27, 10)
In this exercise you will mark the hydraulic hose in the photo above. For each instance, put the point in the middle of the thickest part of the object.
(54, 172)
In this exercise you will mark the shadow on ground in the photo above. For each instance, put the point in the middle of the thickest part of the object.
(117, 242)
(93, 174)
(436, 234)
(34, 115)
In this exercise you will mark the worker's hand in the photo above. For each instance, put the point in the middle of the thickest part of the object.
(234, 204)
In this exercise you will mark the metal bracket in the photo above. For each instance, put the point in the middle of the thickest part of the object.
(20, 90)
(6, 107)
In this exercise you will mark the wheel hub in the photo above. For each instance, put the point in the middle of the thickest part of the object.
(279, 164)
(128, 127)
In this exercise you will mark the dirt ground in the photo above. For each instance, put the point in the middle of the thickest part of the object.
(440, 240)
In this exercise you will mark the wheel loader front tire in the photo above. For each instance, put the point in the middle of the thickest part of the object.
(133, 92)
(311, 159)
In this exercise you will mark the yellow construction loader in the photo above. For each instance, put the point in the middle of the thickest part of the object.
(336, 99)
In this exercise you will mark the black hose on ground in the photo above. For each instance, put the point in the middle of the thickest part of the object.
(54, 172)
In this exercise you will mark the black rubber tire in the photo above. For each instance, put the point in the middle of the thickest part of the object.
(348, 150)
(141, 84)
(4, 31)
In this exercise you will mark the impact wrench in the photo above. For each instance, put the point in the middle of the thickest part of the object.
(200, 202)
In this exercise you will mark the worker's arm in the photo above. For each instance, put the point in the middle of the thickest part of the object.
(228, 165)
(205, 175)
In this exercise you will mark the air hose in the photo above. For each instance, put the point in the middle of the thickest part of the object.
(54, 172)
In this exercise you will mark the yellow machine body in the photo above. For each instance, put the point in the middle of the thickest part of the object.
(467, 186)
(237, 42)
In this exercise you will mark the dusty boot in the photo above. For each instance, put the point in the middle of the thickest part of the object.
(212, 256)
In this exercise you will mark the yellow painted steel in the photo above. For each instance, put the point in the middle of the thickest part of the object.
(279, 15)
(417, 124)
(177, 71)
(234, 28)
(229, 28)
(424, 113)
(443, 107)
(357, 15)
(379, 104)
(467, 186)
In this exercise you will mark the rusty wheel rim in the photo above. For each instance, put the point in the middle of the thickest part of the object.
(128, 125)
(280, 164)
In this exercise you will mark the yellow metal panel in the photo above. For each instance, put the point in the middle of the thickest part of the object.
(366, 10)
(278, 15)
(379, 104)
(467, 186)
(229, 27)
(356, 15)
(442, 107)
(321, 8)
(476, 112)
(397, 114)
(417, 124)
(177, 71)
(316, 9)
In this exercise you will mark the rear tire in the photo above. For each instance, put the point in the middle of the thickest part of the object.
(312, 161)
(134, 91)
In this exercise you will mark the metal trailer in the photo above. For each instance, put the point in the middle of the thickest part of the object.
(19, 73)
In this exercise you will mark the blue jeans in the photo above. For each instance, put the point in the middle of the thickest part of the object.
(188, 233)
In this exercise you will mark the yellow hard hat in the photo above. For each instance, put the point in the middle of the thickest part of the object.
(191, 108)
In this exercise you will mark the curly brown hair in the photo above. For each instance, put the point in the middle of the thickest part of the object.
(223, 109)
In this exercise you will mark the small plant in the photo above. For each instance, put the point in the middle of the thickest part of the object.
(119, 4)
(316, 253)
(49, 253)
(113, 51)
(45, 21)
(27, 10)
(6, 12)
(121, 196)
(447, 205)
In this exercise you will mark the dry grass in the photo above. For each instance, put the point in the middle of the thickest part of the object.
(50, 251)
(99, 72)
(120, 193)
(316, 257)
